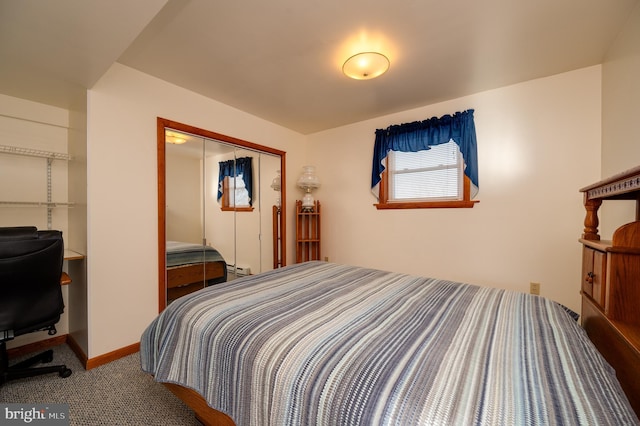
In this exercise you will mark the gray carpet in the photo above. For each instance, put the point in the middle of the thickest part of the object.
(118, 393)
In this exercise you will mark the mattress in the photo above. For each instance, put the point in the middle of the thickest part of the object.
(326, 344)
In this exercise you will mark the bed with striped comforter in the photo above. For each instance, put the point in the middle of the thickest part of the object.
(326, 344)
(180, 253)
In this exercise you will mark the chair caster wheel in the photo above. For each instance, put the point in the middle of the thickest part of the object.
(65, 373)
(47, 357)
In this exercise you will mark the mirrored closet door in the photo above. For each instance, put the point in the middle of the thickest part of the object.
(217, 211)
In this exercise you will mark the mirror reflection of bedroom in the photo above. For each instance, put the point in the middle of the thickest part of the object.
(219, 211)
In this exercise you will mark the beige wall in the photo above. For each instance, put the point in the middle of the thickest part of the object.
(30, 125)
(534, 139)
(538, 143)
(620, 112)
(184, 198)
(122, 193)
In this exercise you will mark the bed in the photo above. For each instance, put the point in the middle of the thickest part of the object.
(191, 267)
(319, 343)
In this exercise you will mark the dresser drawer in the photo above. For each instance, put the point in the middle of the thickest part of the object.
(594, 270)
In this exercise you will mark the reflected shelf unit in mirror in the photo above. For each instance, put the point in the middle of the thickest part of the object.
(49, 158)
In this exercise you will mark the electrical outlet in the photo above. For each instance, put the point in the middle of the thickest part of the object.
(534, 288)
(326, 258)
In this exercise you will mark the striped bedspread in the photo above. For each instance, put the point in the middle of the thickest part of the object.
(179, 253)
(325, 344)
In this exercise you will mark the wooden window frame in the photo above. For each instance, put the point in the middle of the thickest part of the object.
(226, 204)
(385, 204)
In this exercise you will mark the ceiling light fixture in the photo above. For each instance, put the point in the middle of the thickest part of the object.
(366, 65)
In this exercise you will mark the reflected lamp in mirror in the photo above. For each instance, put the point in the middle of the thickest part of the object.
(308, 181)
(276, 185)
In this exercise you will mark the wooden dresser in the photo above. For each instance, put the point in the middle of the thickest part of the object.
(611, 282)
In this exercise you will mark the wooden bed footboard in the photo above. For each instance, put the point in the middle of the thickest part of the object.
(205, 414)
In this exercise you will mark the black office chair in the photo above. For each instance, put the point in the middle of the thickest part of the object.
(30, 294)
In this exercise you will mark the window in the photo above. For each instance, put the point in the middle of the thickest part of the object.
(234, 194)
(235, 183)
(427, 175)
(425, 179)
(427, 164)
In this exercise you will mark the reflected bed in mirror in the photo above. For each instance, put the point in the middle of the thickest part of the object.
(191, 267)
(210, 201)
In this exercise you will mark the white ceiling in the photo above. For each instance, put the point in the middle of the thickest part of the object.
(281, 59)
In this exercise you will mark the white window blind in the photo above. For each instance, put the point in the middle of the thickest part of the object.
(238, 194)
(434, 174)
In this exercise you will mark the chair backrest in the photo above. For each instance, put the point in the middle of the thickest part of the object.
(30, 270)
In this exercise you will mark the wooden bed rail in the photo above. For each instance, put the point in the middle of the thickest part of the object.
(205, 414)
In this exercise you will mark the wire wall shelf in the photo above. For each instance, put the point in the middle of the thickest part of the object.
(50, 156)
(34, 204)
(5, 149)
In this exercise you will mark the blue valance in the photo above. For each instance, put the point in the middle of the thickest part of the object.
(421, 135)
(233, 168)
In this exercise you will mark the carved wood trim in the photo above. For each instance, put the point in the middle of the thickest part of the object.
(623, 186)
(616, 188)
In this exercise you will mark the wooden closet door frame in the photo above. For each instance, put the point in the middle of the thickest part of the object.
(162, 124)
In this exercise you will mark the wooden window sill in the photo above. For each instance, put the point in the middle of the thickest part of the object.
(236, 209)
(463, 204)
